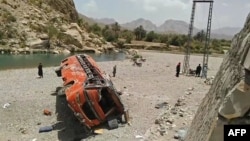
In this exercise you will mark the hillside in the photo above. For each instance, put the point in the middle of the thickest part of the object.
(175, 26)
(44, 25)
(227, 30)
(90, 20)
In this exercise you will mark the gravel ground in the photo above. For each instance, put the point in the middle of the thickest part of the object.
(143, 88)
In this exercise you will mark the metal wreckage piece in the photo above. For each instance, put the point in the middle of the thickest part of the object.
(90, 93)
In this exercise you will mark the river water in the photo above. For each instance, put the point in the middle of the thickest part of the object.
(48, 60)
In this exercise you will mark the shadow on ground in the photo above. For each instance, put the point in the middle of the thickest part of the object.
(68, 126)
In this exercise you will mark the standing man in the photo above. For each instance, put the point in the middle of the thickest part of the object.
(204, 71)
(40, 70)
(114, 71)
(198, 70)
(178, 69)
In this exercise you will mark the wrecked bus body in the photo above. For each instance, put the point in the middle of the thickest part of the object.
(90, 93)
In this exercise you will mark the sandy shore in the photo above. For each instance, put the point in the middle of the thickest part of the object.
(143, 88)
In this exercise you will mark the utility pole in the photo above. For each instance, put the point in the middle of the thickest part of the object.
(207, 40)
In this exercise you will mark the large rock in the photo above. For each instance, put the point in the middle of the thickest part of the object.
(75, 34)
(236, 103)
(37, 43)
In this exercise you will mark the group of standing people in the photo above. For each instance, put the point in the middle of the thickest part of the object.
(197, 71)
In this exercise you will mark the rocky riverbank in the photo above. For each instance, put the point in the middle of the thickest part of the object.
(159, 103)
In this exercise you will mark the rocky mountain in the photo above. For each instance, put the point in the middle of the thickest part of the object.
(44, 25)
(175, 26)
(179, 27)
(226, 30)
(147, 25)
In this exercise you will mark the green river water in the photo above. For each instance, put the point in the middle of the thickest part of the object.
(48, 60)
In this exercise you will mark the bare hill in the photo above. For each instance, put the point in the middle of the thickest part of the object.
(44, 25)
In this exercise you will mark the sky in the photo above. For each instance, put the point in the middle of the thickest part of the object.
(226, 13)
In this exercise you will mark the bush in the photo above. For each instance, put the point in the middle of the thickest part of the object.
(52, 31)
(129, 39)
(120, 44)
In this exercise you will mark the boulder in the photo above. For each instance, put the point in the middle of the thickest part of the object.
(236, 103)
(37, 43)
(74, 33)
(43, 36)
(65, 51)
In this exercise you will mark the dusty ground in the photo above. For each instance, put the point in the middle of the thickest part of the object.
(143, 88)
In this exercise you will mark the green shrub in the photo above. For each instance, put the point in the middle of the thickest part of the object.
(120, 44)
(52, 31)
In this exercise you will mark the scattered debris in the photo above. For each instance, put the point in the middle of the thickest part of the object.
(161, 105)
(6, 105)
(190, 89)
(46, 129)
(180, 102)
(47, 112)
(139, 137)
(192, 72)
(157, 121)
(180, 134)
(209, 80)
(98, 131)
(188, 93)
(23, 130)
(162, 131)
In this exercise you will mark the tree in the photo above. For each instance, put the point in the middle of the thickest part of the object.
(116, 27)
(175, 40)
(105, 29)
(151, 36)
(216, 45)
(80, 22)
(200, 36)
(164, 38)
(109, 35)
(95, 28)
(140, 33)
